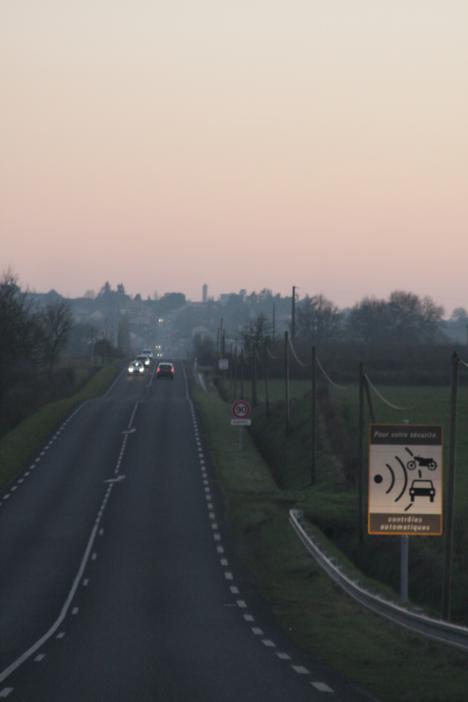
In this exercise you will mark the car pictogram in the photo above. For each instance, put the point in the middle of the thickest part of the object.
(422, 488)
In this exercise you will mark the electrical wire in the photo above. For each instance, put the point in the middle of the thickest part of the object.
(384, 399)
(328, 379)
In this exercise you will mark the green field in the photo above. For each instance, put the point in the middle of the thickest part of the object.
(392, 664)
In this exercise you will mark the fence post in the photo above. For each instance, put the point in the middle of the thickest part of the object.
(286, 379)
(254, 375)
(313, 467)
(265, 371)
(449, 505)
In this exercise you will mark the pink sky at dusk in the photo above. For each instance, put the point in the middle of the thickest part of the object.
(244, 144)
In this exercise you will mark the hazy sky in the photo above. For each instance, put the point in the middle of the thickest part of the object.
(242, 143)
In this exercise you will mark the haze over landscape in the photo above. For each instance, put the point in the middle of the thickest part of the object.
(247, 145)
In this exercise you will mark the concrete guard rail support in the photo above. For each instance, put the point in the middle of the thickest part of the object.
(436, 629)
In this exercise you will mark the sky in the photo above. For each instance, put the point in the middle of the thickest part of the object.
(249, 144)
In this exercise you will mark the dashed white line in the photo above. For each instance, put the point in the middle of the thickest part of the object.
(6, 691)
(228, 576)
(249, 618)
(220, 549)
(300, 669)
(257, 631)
(39, 658)
(75, 611)
(86, 582)
(283, 656)
(234, 590)
(322, 687)
(224, 561)
(61, 635)
(241, 604)
(268, 643)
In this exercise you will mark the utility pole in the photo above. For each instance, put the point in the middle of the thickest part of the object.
(293, 314)
(286, 380)
(273, 325)
(313, 467)
(449, 508)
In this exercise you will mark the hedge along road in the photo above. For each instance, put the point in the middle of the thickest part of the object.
(116, 581)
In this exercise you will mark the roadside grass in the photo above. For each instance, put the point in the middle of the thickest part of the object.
(21, 444)
(388, 662)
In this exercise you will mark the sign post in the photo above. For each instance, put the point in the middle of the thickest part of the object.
(241, 417)
(405, 485)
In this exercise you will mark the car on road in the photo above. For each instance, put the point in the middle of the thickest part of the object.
(165, 369)
(422, 488)
(147, 352)
(135, 368)
(143, 358)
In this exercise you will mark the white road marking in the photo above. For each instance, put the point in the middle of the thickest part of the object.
(101, 532)
(234, 590)
(75, 611)
(215, 526)
(228, 576)
(322, 687)
(249, 618)
(217, 536)
(86, 582)
(6, 497)
(6, 691)
(300, 669)
(39, 658)
(224, 562)
(220, 549)
(212, 515)
(268, 643)
(21, 480)
(257, 631)
(283, 656)
(61, 635)
(241, 604)
(14, 488)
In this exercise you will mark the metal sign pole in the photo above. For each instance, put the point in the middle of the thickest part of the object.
(241, 438)
(404, 568)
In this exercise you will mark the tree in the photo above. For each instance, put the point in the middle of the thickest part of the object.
(17, 329)
(404, 318)
(55, 323)
(318, 320)
(256, 334)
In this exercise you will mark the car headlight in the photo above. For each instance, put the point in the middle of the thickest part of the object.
(130, 370)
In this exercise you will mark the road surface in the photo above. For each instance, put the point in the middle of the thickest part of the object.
(117, 582)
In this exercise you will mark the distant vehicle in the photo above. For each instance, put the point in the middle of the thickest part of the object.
(422, 462)
(165, 370)
(143, 358)
(135, 368)
(147, 352)
(422, 488)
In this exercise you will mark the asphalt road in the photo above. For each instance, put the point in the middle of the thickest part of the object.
(117, 582)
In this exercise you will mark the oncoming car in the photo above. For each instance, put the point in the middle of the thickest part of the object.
(165, 370)
(135, 368)
(144, 359)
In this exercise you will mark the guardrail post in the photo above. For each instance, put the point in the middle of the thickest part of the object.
(449, 505)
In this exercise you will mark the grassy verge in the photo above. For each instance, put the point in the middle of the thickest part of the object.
(388, 662)
(20, 444)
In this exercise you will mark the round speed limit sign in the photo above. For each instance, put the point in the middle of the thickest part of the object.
(241, 409)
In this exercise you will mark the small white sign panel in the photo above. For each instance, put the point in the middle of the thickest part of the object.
(241, 422)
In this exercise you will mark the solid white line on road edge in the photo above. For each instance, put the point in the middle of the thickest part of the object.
(321, 687)
(300, 669)
(6, 691)
(4, 674)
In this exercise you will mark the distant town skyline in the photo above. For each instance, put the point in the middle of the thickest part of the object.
(247, 144)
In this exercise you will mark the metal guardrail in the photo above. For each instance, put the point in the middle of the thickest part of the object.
(437, 629)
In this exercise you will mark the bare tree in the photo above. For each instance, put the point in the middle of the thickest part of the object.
(55, 323)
